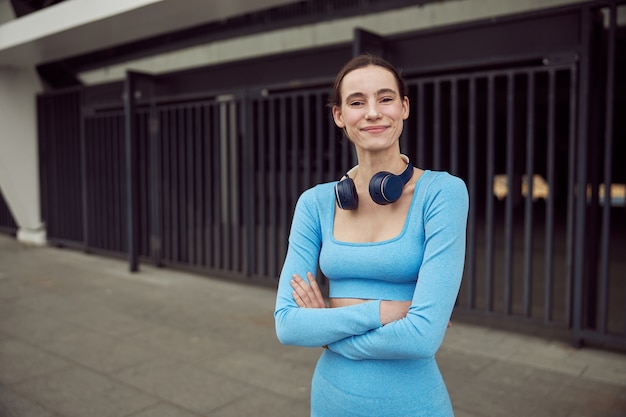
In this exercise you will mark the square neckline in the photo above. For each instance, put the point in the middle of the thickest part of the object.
(385, 241)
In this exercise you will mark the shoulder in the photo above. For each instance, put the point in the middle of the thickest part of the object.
(317, 201)
(318, 194)
(442, 179)
(443, 185)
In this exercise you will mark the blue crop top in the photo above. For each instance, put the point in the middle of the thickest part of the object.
(424, 264)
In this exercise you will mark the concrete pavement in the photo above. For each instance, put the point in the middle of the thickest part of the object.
(82, 337)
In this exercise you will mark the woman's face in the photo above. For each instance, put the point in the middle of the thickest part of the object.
(372, 110)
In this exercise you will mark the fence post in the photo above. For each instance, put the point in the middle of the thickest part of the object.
(579, 244)
(133, 92)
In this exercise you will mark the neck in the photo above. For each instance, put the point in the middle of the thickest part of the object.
(371, 164)
(363, 173)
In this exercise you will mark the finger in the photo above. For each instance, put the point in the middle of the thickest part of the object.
(302, 289)
(298, 299)
(318, 298)
(312, 296)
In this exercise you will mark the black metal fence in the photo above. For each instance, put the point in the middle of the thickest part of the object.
(209, 183)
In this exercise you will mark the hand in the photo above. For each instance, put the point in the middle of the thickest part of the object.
(307, 295)
(391, 311)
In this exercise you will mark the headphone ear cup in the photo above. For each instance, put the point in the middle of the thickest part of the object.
(385, 188)
(346, 195)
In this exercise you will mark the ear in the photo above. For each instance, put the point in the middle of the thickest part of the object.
(338, 117)
(405, 108)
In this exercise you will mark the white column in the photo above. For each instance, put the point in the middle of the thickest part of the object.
(19, 160)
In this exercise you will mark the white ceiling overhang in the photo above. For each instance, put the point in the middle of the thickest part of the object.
(76, 27)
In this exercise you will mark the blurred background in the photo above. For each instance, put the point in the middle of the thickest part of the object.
(180, 133)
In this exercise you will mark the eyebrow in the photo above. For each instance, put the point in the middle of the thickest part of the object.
(380, 92)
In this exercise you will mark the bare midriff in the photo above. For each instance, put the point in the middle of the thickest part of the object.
(343, 302)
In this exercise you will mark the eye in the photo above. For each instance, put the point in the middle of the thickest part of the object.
(386, 99)
(355, 103)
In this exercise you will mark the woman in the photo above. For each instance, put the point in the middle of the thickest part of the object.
(391, 240)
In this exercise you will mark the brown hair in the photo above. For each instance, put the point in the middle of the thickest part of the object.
(363, 61)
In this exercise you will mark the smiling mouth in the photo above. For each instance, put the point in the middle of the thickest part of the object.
(374, 129)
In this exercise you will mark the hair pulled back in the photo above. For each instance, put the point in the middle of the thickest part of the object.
(363, 61)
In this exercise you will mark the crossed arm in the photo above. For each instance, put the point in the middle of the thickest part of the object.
(309, 295)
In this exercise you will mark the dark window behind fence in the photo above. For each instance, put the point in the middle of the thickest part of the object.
(537, 143)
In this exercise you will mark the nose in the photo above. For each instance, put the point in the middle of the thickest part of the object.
(372, 112)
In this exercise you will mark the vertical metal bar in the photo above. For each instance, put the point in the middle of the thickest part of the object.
(511, 196)
(212, 186)
(216, 195)
(199, 184)
(319, 137)
(306, 151)
(119, 243)
(294, 172)
(181, 180)
(141, 151)
(249, 175)
(83, 172)
(489, 233)
(114, 167)
(528, 208)
(454, 130)
(437, 125)
(225, 207)
(581, 179)
(110, 171)
(608, 166)
(549, 235)
(131, 174)
(65, 162)
(571, 203)
(174, 178)
(156, 181)
(332, 150)
(53, 158)
(236, 249)
(139, 135)
(189, 200)
(471, 224)
(273, 226)
(420, 120)
(102, 187)
(182, 140)
(262, 181)
(168, 185)
(282, 183)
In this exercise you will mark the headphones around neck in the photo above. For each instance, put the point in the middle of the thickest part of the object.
(385, 187)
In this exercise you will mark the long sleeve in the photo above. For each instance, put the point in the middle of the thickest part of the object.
(421, 332)
(314, 327)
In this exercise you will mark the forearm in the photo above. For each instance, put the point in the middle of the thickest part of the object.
(418, 335)
(315, 327)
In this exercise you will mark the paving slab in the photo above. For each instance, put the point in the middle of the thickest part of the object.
(14, 405)
(79, 392)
